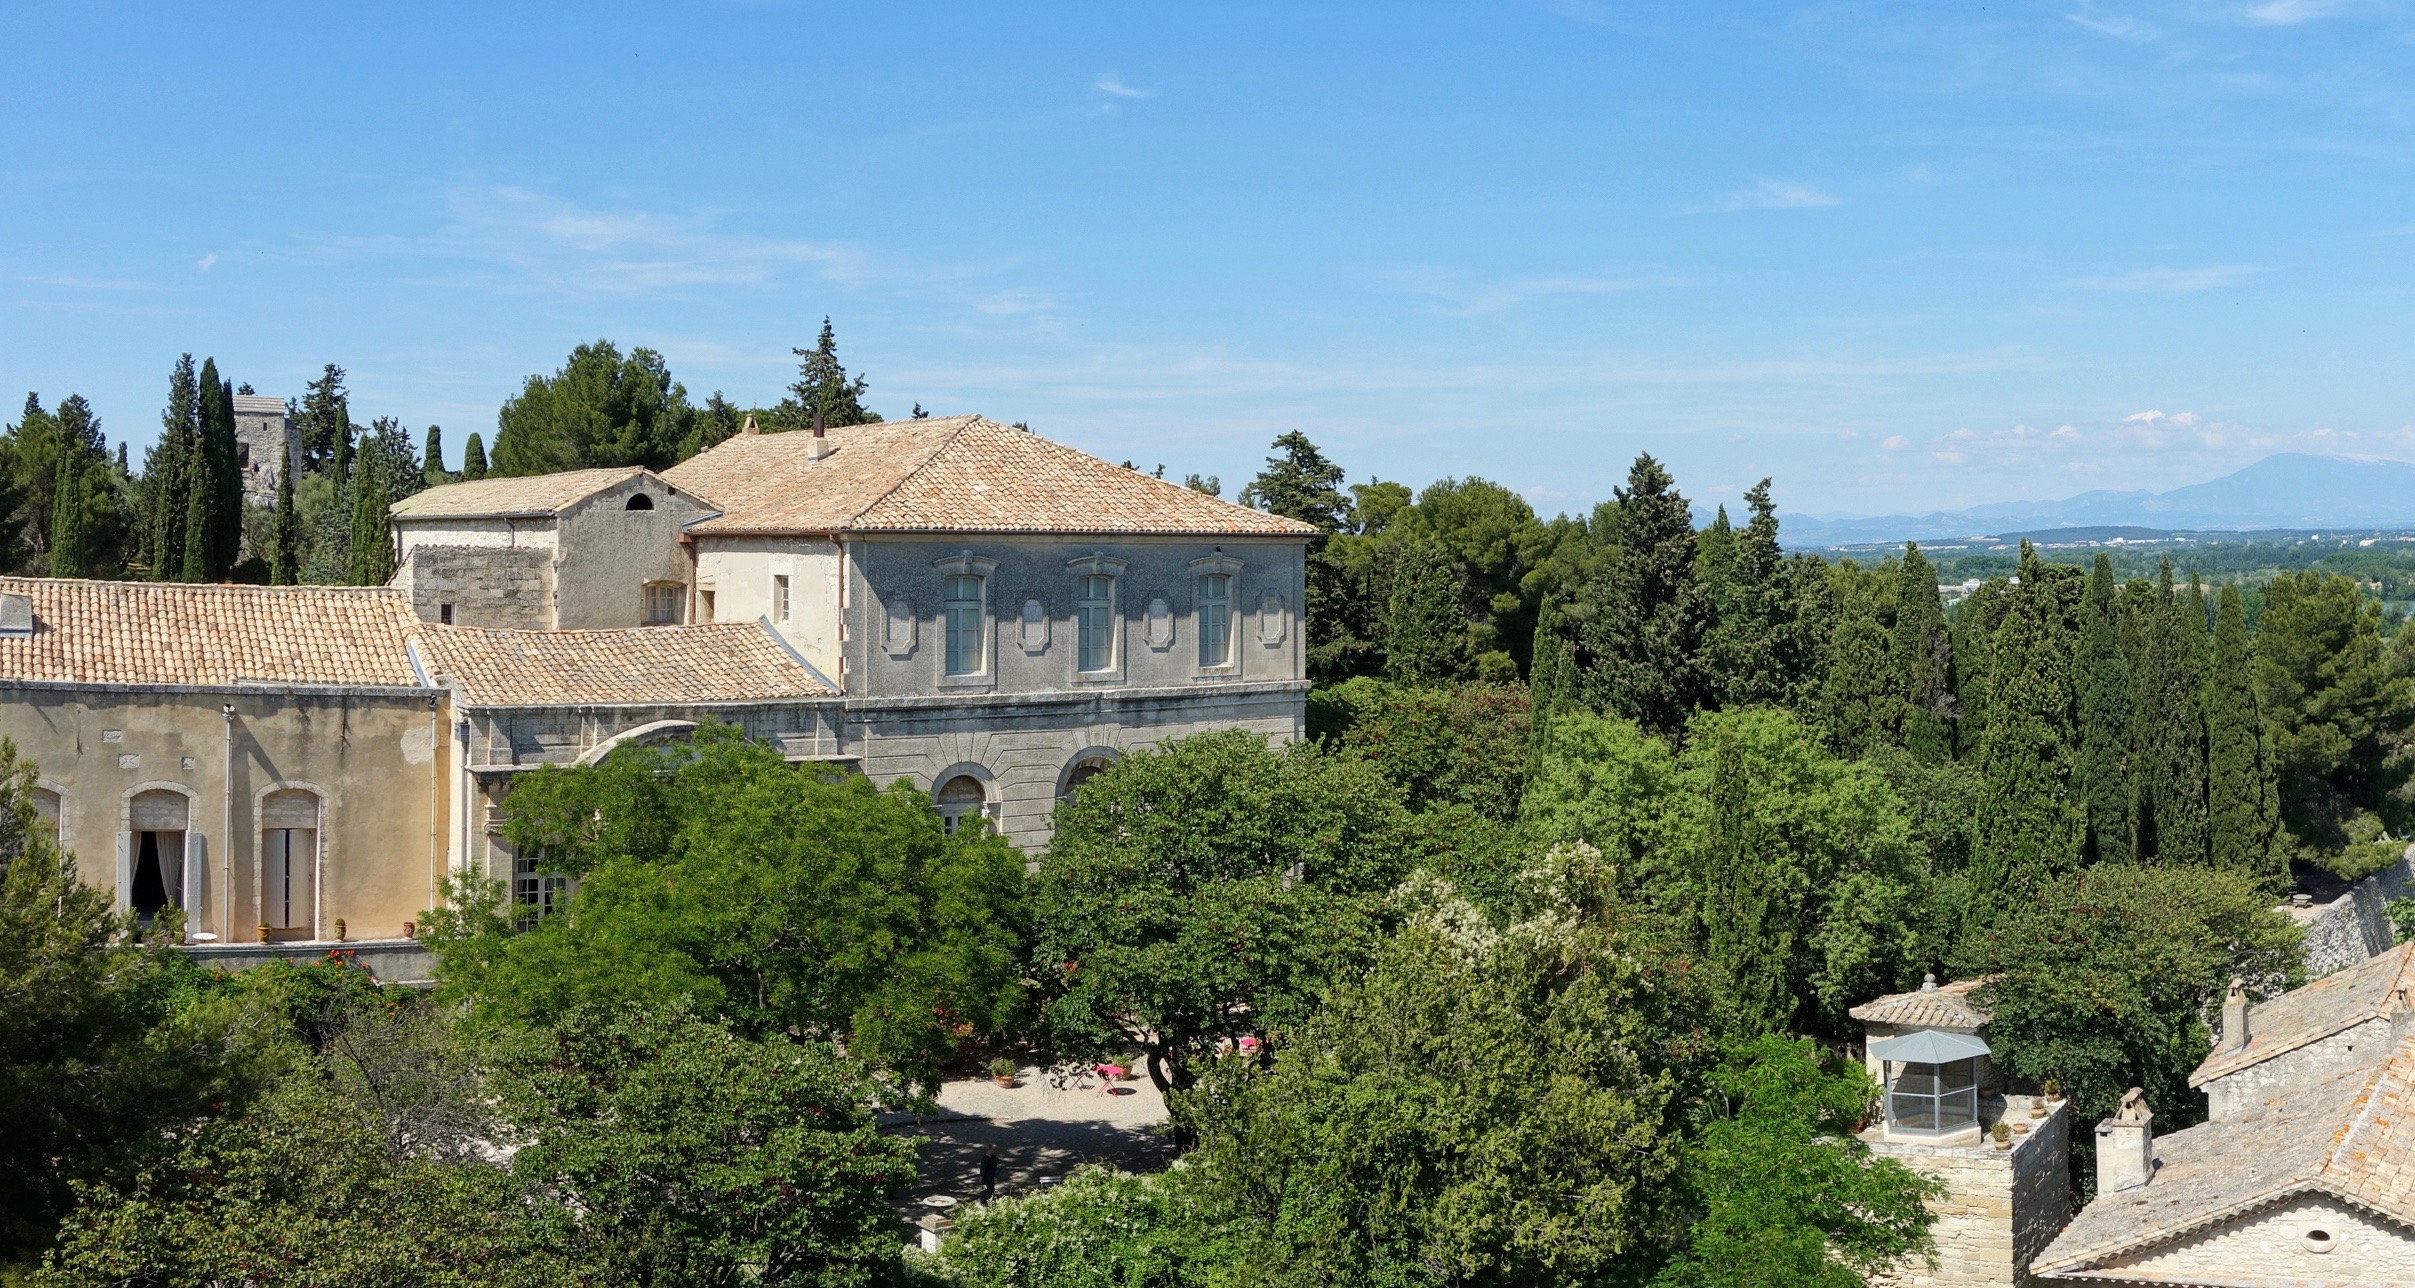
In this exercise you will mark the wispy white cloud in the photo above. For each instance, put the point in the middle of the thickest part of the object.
(2137, 31)
(1895, 443)
(2289, 13)
(206, 262)
(1465, 293)
(2152, 416)
(2170, 281)
(1113, 86)
(1770, 194)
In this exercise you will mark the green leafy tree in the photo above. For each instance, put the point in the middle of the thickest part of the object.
(1425, 638)
(1460, 744)
(2103, 767)
(1787, 1193)
(1642, 611)
(1603, 782)
(1797, 870)
(675, 1152)
(1299, 483)
(1101, 1228)
(774, 900)
(2150, 949)
(1494, 546)
(2333, 702)
(473, 458)
(1208, 890)
(1861, 691)
(372, 544)
(2243, 804)
(2028, 828)
(598, 410)
(2168, 733)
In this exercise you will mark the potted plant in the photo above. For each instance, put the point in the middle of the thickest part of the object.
(264, 932)
(1132, 1064)
(2003, 1134)
(2054, 1091)
(1003, 1070)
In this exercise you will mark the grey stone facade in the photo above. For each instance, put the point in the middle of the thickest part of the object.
(480, 585)
(2352, 1048)
(2356, 925)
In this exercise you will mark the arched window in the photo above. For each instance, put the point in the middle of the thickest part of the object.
(639, 501)
(158, 820)
(959, 798)
(1083, 770)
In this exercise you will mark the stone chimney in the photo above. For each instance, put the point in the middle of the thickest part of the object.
(2234, 1016)
(2125, 1145)
(821, 441)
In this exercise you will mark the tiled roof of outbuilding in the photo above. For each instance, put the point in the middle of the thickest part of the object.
(1948, 1006)
(2352, 1138)
(725, 662)
(2340, 1000)
(510, 498)
(947, 474)
(142, 632)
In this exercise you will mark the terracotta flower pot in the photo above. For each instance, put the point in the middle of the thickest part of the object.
(1003, 1079)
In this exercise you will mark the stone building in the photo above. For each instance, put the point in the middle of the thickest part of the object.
(266, 445)
(2306, 1175)
(967, 606)
(266, 760)
(1941, 1099)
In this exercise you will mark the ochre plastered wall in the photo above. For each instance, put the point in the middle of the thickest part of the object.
(379, 760)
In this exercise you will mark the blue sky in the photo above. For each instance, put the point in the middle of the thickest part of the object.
(1899, 256)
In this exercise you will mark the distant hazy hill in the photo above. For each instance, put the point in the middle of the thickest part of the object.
(2292, 490)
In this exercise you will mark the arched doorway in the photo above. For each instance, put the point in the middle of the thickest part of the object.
(157, 821)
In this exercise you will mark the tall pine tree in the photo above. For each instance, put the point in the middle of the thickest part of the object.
(2104, 719)
(2027, 828)
(1924, 659)
(823, 388)
(1641, 612)
(2168, 733)
(219, 479)
(1860, 694)
(473, 458)
(2243, 804)
(1758, 649)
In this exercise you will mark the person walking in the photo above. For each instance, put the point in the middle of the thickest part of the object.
(989, 1172)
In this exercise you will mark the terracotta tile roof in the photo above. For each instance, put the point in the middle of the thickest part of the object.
(2340, 1000)
(2352, 1138)
(141, 632)
(724, 662)
(514, 497)
(947, 474)
(1948, 1006)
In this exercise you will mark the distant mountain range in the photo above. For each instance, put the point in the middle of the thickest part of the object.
(2292, 490)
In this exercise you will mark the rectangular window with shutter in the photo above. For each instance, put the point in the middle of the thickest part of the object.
(1094, 609)
(965, 620)
(1215, 620)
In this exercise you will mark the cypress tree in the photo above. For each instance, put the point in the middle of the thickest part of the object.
(2168, 735)
(473, 457)
(433, 464)
(372, 534)
(196, 563)
(2027, 828)
(67, 557)
(1924, 660)
(1748, 942)
(1859, 694)
(2104, 717)
(1550, 681)
(167, 474)
(220, 479)
(1715, 554)
(1974, 639)
(2243, 805)
(285, 554)
(1425, 636)
(1757, 649)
